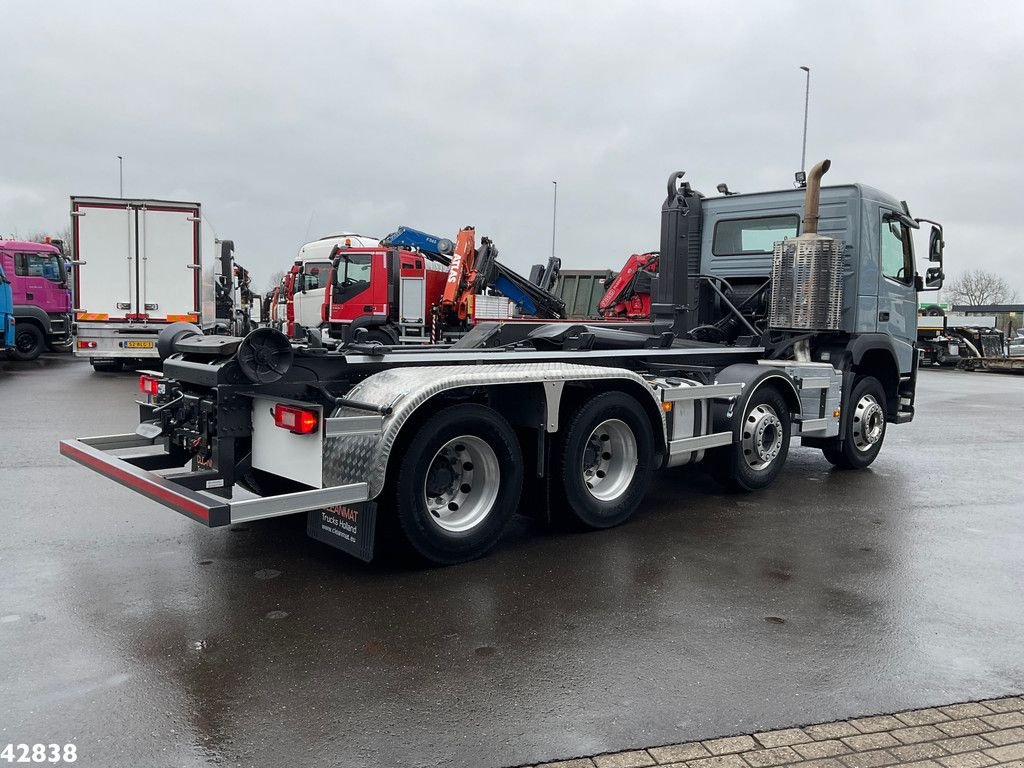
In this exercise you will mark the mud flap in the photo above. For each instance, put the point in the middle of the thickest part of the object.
(349, 527)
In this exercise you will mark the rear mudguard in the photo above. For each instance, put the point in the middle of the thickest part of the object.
(406, 390)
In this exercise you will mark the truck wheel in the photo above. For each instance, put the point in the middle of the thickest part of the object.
(29, 342)
(458, 483)
(864, 427)
(606, 461)
(757, 459)
(382, 337)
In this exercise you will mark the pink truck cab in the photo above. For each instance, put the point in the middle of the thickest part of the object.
(42, 301)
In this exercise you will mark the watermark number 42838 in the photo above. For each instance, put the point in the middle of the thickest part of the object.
(39, 753)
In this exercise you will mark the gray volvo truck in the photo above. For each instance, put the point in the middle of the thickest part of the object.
(777, 315)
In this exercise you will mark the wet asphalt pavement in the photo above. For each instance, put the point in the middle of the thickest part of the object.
(148, 639)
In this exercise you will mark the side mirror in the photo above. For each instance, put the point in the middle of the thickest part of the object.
(935, 244)
(933, 278)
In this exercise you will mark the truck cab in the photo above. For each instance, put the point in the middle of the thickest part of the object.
(6, 312)
(39, 283)
(729, 251)
(311, 278)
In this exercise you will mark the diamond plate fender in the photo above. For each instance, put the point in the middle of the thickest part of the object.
(364, 458)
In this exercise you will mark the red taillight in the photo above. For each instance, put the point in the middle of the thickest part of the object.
(149, 385)
(299, 421)
(87, 345)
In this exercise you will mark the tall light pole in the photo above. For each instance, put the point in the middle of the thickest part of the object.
(554, 218)
(120, 176)
(807, 101)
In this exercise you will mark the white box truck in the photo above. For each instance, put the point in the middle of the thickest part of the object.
(139, 267)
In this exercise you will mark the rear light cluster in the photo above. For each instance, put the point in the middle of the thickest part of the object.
(298, 421)
(87, 345)
(149, 385)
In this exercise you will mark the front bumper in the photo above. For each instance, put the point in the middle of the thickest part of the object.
(143, 465)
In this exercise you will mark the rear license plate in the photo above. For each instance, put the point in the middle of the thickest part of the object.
(138, 344)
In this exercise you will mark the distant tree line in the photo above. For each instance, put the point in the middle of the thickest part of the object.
(978, 287)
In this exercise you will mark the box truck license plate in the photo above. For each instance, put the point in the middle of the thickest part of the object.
(139, 344)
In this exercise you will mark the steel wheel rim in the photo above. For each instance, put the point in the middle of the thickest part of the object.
(24, 342)
(461, 485)
(609, 460)
(762, 437)
(868, 423)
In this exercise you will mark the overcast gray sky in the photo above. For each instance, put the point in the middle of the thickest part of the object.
(292, 120)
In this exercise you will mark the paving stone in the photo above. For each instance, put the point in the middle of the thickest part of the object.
(1009, 736)
(825, 762)
(579, 762)
(921, 717)
(786, 737)
(1013, 703)
(872, 759)
(730, 745)
(875, 724)
(918, 734)
(960, 711)
(967, 760)
(763, 758)
(816, 749)
(866, 741)
(925, 751)
(1005, 720)
(963, 744)
(966, 727)
(637, 758)
(679, 752)
(921, 764)
(824, 731)
(1007, 753)
(721, 761)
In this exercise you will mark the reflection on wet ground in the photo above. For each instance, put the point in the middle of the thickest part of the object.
(150, 640)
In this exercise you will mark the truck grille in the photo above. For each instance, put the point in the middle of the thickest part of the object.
(807, 289)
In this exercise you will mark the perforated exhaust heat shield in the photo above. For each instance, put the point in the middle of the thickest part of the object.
(807, 288)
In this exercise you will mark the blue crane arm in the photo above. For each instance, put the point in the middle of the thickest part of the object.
(531, 299)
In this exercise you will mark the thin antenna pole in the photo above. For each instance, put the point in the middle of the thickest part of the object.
(807, 101)
(120, 176)
(554, 218)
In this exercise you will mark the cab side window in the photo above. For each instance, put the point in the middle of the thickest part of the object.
(37, 265)
(316, 274)
(896, 250)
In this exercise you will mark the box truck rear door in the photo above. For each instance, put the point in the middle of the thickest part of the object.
(168, 257)
(105, 283)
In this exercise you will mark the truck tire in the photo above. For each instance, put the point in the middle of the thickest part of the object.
(379, 336)
(29, 342)
(864, 427)
(458, 483)
(606, 461)
(757, 458)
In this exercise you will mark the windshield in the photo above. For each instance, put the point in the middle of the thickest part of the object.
(48, 265)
